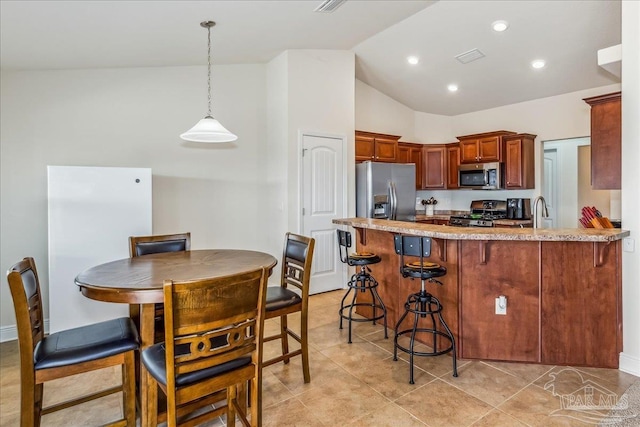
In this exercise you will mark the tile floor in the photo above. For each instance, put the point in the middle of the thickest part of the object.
(359, 384)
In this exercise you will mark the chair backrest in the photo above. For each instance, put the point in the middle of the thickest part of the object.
(344, 242)
(415, 246)
(213, 321)
(297, 257)
(145, 245)
(27, 301)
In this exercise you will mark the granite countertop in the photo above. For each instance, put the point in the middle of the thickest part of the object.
(479, 233)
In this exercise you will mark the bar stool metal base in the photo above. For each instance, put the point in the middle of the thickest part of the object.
(423, 304)
(363, 282)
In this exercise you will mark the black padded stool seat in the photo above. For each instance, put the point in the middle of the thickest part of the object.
(362, 281)
(86, 343)
(422, 304)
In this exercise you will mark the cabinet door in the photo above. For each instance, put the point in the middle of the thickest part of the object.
(453, 161)
(404, 153)
(489, 149)
(519, 170)
(434, 166)
(513, 166)
(469, 151)
(411, 153)
(364, 148)
(606, 145)
(385, 149)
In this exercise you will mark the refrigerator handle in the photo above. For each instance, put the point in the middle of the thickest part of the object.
(394, 200)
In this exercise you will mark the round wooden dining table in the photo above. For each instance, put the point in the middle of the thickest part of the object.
(138, 281)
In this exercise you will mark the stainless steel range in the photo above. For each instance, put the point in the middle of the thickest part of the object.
(483, 213)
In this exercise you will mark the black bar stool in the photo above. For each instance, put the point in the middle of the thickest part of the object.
(422, 304)
(361, 281)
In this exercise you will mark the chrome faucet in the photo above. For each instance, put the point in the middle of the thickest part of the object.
(545, 211)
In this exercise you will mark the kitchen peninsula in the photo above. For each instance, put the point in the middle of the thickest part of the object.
(562, 286)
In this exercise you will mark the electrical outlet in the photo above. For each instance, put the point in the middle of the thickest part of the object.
(628, 244)
(501, 305)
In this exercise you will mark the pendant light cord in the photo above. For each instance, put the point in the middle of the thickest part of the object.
(209, 68)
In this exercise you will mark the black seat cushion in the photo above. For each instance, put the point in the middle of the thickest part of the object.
(430, 273)
(86, 343)
(356, 260)
(279, 297)
(154, 360)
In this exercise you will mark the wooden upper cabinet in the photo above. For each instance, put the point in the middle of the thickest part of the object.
(376, 147)
(434, 166)
(606, 141)
(482, 147)
(411, 153)
(453, 161)
(519, 156)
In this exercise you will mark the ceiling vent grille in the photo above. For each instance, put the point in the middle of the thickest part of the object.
(470, 56)
(328, 6)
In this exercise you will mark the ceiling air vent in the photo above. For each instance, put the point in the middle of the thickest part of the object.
(328, 6)
(470, 56)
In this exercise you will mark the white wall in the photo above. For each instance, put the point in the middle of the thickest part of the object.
(321, 98)
(376, 112)
(630, 358)
(133, 118)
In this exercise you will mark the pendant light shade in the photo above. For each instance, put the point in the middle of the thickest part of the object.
(208, 129)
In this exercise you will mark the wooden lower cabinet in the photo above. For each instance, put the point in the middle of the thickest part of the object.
(491, 269)
(581, 315)
(564, 303)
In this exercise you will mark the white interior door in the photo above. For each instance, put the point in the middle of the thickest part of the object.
(323, 192)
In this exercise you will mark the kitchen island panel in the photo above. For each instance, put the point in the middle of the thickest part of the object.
(489, 270)
(581, 304)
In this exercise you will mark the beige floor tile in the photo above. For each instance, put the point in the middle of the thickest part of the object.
(527, 371)
(440, 404)
(290, 413)
(273, 391)
(438, 366)
(497, 418)
(390, 415)
(344, 399)
(485, 382)
(539, 408)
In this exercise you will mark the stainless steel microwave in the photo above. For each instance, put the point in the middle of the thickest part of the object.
(481, 176)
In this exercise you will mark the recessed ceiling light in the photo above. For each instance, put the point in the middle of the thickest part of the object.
(452, 87)
(538, 63)
(413, 60)
(500, 26)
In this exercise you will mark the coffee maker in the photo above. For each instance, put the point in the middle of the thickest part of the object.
(519, 208)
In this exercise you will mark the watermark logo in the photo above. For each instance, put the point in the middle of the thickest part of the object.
(586, 400)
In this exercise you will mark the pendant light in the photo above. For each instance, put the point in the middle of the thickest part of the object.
(208, 129)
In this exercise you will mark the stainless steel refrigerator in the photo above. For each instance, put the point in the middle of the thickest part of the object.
(386, 190)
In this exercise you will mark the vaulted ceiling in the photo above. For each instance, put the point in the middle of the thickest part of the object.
(382, 34)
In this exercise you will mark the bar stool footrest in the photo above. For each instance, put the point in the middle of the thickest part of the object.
(420, 353)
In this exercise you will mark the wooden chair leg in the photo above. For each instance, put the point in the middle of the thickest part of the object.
(232, 397)
(30, 403)
(304, 344)
(129, 388)
(284, 337)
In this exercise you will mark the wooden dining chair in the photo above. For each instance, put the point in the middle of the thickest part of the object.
(65, 353)
(290, 297)
(146, 245)
(214, 331)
